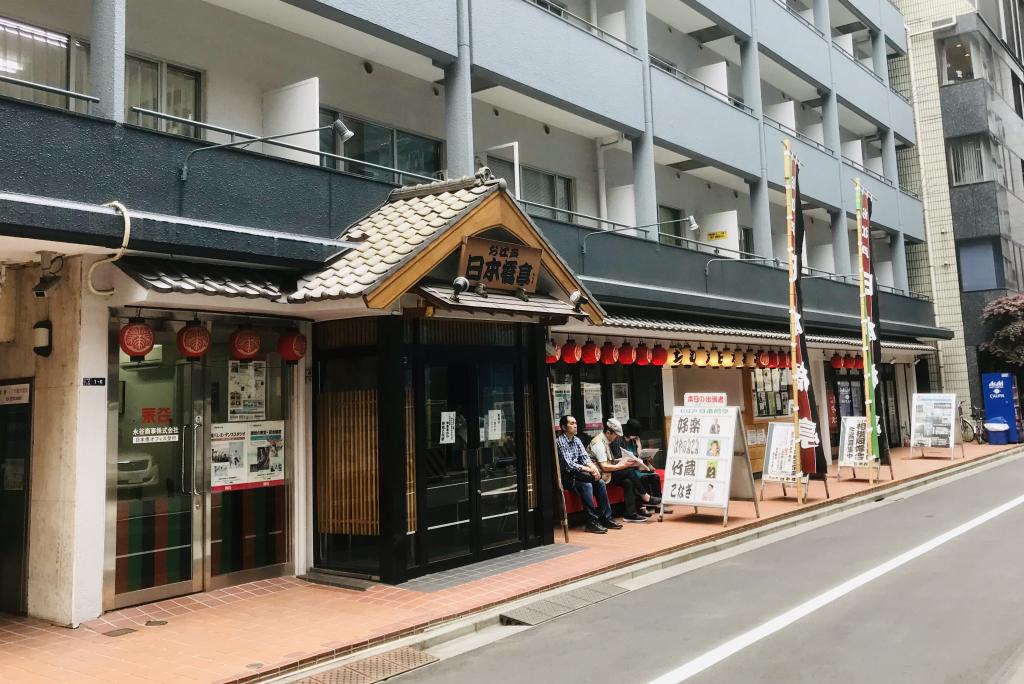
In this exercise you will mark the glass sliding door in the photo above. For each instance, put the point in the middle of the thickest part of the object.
(499, 455)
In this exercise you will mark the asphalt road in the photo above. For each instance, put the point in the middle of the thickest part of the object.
(952, 614)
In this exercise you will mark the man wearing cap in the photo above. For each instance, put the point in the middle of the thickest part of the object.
(624, 469)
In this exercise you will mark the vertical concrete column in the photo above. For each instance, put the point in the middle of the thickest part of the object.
(759, 208)
(898, 254)
(879, 59)
(830, 121)
(822, 17)
(840, 242)
(890, 167)
(458, 101)
(645, 190)
(106, 58)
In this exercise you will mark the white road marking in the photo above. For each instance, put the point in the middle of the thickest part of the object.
(736, 644)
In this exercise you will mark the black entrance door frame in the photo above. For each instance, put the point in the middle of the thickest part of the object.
(14, 537)
(470, 356)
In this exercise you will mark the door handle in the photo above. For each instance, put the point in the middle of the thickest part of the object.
(181, 486)
(195, 491)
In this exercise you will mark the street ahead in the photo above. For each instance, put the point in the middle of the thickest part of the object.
(951, 612)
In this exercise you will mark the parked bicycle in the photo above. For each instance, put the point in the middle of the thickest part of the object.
(974, 428)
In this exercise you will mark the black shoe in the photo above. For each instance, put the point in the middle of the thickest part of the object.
(644, 513)
(611, 524)
(635, 518)
(655, 501)
(595, 528)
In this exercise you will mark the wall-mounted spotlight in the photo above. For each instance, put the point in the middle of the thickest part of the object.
(691, 223)
(578, 301)
(459, 285)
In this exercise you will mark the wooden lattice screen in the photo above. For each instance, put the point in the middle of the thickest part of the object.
(346, 459)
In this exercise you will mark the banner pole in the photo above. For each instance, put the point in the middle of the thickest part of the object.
(794, 399)
(864, 266)
(558, 471)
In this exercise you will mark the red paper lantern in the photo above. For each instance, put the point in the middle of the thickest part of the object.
(244, 344)
(836, 361)
(571, 352)
(858, 362)
(292, 346)
(762, 359)
(590, 353)
(553, 350)
(659, 356)
(848, 362)
(786, 361)
(193, 341)
(773, 359)
(643, 354)
(627, 355)
(609, 354)
(136, 339)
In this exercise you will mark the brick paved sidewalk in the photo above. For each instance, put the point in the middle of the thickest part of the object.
(251, 631)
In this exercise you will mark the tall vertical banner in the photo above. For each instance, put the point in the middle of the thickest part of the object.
(811, 459)
(871, 344)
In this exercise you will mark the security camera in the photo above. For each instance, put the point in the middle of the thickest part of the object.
(46, 285)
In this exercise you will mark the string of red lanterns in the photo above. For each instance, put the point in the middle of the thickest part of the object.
(137, 339)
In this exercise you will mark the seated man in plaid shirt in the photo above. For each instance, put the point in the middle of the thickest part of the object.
(580, 475)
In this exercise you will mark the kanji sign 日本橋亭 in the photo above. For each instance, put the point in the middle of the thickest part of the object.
(500, 265)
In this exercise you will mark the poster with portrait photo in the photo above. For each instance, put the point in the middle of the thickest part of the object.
(227, 456)
(698, 466)
(265, 453)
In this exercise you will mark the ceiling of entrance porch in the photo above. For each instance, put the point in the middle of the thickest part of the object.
(18, 250)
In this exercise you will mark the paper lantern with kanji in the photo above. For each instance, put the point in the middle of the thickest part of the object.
(836, 361)
(750, 359)
(687, 354)
(627, 355)
(701, 357)
(136, 339)
(784, 360)
(571, 352)
(848, 362)
(291, 346)
(193, 341)
(762, 359)
(728, 358)
(858, 362)
(609, 353)
(244, 344)
(643, 354)
(552, 351)
(590, 354)
(659, 356)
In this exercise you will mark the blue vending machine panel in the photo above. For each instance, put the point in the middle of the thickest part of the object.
(1000, 391)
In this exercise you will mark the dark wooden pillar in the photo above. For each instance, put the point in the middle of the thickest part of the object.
(546, 482)
(391, 448)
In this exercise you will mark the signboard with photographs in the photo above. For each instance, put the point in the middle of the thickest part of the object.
(702, 456)
(932, 422)
(246, 455)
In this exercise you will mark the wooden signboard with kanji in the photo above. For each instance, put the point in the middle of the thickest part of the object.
(500, 265)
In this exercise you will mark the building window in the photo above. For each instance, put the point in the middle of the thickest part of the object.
(966, 160)
(980, 266)
(957, 52)
(382, 146)
(33, 54)
(161, 87)
(553, 6)
(544, 192)
(747, 239)
(1018, 94)
(670, 230)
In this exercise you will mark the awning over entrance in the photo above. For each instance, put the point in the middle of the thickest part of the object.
(637, 326)
(499, 303)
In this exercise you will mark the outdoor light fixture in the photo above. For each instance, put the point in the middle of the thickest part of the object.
(338, 126)
(578, 301)
(459, 285)
(691, 223)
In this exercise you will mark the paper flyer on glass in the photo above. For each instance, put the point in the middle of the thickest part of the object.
(247, 391)
(246, 455)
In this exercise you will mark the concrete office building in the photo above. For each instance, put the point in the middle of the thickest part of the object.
(167, 434)
(967, 78)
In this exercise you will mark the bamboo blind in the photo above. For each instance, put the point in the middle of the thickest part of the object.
(439, 331)
(531, 469)
(410, 461)
(346, 460)
(355, 332)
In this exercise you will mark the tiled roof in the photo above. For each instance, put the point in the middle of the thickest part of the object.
(169, 275)
(658, 325)
(500, 302)
(392, 235)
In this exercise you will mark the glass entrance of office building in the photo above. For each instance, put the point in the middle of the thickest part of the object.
(198, 483)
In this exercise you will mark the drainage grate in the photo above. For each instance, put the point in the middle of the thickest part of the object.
(375, 668)
(119, 632)
(556, 606)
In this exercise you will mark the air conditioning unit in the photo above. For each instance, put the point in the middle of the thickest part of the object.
(154, 359)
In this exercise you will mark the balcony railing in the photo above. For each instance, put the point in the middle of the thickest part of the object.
(583, 25)
(800, 136)
(705, 88)
(52, 90)
(874, 174)
(322, 157)
(791, 10)
(853, 58)
(900, 95)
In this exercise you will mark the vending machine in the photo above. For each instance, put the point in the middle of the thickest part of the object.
(1001, 400)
